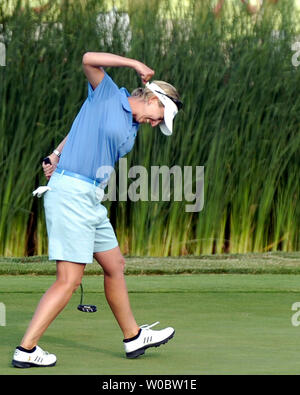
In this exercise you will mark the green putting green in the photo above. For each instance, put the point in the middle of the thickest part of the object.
(225, 324)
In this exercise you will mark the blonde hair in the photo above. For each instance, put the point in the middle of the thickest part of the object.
(146, 93)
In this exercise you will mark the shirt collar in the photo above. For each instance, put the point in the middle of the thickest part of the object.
(124, 99)
(125, 103)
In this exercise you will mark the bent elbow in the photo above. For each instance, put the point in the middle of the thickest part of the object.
(85, 58)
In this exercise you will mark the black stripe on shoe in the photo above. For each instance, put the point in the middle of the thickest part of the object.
(26, 350)
(132, 338)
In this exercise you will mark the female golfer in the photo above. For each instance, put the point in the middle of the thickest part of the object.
(77, 224)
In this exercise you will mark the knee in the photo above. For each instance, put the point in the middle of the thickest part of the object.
(117, 268)
(76, 284)
(70, 284)
(69, 275)
(122, 265)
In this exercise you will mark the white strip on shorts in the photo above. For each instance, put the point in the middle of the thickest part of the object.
(77, 222)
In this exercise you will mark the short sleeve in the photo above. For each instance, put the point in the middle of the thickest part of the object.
(105, 89)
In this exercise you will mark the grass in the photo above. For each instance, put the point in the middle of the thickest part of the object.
(252, 263)
(225, 324)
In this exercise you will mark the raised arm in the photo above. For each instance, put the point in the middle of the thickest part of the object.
(93, 63)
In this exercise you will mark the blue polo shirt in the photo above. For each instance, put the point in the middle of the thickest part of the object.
(102, 132)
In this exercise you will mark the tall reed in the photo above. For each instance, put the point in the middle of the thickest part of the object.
(240, 121)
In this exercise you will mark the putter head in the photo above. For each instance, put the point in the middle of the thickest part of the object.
(87, 308)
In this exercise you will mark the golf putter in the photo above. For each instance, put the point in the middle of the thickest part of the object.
(86, 308)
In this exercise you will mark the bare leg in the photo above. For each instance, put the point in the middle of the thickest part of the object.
(113, 263)
(68, 278)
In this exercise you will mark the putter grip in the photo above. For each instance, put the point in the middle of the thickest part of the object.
(47, 160)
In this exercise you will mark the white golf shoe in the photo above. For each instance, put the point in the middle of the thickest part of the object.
(37, 358)
(147, 338)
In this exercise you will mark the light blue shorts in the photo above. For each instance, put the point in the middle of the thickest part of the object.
(77, 222)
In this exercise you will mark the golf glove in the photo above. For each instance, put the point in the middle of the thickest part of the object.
(40, 191)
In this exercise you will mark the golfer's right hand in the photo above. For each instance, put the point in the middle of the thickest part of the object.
(144, 71)
(49, 169)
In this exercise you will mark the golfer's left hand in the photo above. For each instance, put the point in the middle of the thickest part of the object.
(144, 71)
(49, 169)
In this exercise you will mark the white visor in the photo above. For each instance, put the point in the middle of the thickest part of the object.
(170, 111)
